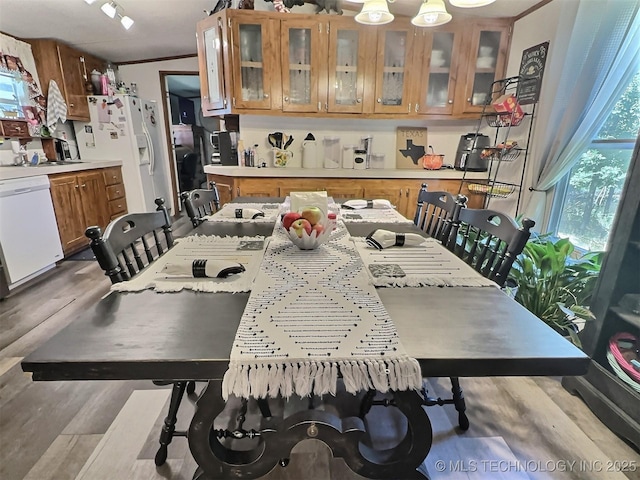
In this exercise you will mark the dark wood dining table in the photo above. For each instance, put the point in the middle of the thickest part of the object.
(451, 331)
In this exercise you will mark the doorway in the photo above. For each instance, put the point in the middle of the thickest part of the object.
(188, 131)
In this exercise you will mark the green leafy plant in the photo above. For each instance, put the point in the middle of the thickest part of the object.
(553, 285)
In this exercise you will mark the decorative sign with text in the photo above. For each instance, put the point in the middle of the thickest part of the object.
(411, 145)
(531, 71)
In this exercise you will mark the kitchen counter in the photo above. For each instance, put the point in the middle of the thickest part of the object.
(417, 174)
(8, 173)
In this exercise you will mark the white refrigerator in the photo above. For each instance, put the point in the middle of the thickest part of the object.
(127, 128)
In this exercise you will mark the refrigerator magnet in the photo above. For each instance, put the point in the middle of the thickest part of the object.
(118, 103)
(113, 135)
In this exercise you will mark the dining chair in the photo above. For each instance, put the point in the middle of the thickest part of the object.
(129, 244)
(489, 241)
(437, 211)
(200, 202)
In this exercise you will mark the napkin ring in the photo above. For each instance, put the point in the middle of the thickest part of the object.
(198, 268)
(400, 238)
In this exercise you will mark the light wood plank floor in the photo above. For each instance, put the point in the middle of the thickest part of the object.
(521, 428)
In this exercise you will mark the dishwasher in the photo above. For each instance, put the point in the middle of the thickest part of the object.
(29, 238)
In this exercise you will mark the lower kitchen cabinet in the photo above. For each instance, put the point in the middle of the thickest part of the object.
(403, 193)
(81, 200)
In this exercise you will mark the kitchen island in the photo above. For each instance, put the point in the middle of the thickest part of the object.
(400, 187)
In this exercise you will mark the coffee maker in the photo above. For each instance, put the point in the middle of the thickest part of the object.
(468, 156)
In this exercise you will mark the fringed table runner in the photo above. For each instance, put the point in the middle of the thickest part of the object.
(311, 315)
(429, 264)
(373, 215)
(244, 250)
(229, 213)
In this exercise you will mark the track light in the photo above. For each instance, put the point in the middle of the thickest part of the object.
(109, 9)
(470, 3)
(126, 22)
(89, 1)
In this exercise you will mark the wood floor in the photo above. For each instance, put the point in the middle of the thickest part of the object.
(521, 428)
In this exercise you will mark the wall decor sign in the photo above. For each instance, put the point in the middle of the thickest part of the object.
(531, 71)
(411, 145)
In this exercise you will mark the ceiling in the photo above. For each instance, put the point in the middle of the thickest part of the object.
(163, 28)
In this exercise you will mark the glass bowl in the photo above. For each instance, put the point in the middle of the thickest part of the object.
(313, 240)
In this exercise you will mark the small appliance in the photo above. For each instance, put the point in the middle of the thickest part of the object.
(468, 154)
(63, 153)
(225, 148)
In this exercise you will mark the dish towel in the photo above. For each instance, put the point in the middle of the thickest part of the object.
(246, 213)
(427, 264)
(56, 106)
(310, 315)
(164, 275)
(358, 204)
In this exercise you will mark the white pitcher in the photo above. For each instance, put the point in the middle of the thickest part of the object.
(309, 154)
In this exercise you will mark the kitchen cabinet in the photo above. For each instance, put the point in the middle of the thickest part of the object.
(403, 193)
(114, 187)
(70, 68)
(612, 399)
(80, 200)
(267, 63)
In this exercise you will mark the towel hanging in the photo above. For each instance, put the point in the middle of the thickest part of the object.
(56, 106)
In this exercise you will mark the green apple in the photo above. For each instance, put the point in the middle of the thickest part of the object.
(301, 225)
(312, 214)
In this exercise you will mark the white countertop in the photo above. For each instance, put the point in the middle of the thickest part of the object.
(418, 174)
(8, 173)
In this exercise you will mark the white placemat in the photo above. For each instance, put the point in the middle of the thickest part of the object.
(247, 251)
(429, 264)
(310, 314)
(228, 213)
(373, 215)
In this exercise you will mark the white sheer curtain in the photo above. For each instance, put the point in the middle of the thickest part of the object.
(602, 56)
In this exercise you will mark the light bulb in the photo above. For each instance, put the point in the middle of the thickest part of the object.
(126, 22)
(375, 16)
(430, 17)
(109, 9)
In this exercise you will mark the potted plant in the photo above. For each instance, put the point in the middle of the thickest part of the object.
(555, 286)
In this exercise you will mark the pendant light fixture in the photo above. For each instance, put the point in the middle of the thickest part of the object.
(431, 14)
(112, 10)
(109, 9)
(470, 3)
(374, 12)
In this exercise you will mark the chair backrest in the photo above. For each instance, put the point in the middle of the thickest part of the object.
(489, 241)
(200, 202)
(131, 242)
(437, 211)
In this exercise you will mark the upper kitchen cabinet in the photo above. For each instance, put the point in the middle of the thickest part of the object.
(70, 69)
(213, 51)
(394, 60)
(303, 60)
(483, 61)
(437, 55)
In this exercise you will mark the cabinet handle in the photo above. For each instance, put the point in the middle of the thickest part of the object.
(84, 69)
(469, 100)
(450, 102)
(401, 192)
(114, 177)
(379, 100)
(71, 105)
(407, 193)
(84, 185)
(417, 107)
(359, 100)
(326, 107)
(77, 186)
(238, 191)
(266, 95)
(286, 99)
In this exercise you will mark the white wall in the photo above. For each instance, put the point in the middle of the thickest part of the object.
(147, 77)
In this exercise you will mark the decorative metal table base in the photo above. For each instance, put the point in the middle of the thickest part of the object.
(278, 436)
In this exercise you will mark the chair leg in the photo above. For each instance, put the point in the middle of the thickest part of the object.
(458, 402)
(177, 392)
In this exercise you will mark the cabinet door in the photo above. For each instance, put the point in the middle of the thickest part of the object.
(74, 74)
(437, 56)
(303, 58)
(483, 62)
(92, 63)
(254, 61)
(93, 193)
(211, 64)
(347, 58)
(259, 187)
(394, 53)
(69, 216)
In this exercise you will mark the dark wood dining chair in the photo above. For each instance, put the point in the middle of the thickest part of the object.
(129, 244)
(436, 212)
(489, 241)
(199, 203)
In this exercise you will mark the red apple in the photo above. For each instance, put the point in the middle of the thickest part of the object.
(289, 218)
(318, 228)
(301, 225)
(312, 214)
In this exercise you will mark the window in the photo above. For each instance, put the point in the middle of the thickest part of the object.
(12, 95)
(590, 193)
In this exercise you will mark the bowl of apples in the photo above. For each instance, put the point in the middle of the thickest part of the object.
(309, 228)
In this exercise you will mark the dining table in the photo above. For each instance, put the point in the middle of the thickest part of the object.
(452, 331)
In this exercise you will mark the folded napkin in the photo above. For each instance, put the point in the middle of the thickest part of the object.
(56, 106)
(202, 268)
(358, 204)
(250, 213)
(384, 239)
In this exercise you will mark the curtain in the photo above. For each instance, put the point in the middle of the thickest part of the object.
(603, 55)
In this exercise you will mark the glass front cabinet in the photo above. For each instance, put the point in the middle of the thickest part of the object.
(212, 42)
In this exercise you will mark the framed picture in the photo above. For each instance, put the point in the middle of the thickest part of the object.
(411, 145)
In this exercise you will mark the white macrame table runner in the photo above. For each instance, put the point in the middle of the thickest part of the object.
(228, 213)
(311, 314)
(429, 264)
(373, 215)
(244, 250)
